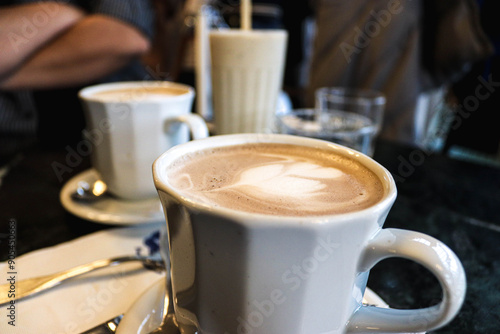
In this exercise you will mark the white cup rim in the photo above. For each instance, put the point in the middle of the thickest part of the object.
(161, 183)
(87, 93)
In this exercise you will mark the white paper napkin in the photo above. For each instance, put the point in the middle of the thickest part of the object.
(85, 301)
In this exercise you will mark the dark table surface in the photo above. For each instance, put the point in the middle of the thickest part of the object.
(454, 201)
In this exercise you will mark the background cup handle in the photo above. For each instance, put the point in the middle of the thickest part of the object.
(196, 124)
(433, 255)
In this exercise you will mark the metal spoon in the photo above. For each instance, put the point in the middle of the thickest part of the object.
(88, 192)
(168, 323)
(36, 285)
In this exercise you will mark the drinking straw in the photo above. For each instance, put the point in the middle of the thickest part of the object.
(202, 63)
(246, 14)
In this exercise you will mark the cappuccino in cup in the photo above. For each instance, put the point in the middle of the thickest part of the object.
(273, 234)
(276, 179)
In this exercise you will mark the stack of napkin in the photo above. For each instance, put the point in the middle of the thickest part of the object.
(85, 301)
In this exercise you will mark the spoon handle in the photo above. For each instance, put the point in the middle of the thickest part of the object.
(35, 285)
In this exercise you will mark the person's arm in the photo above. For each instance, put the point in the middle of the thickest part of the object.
(26, 28)
(96, 46)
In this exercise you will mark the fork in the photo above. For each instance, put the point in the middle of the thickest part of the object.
(36, 285)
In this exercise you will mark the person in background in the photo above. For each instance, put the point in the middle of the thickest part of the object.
(51, 49)
(474, 129)
(400, 47)
(371, 44)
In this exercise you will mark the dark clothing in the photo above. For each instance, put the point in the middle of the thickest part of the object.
(475, 125)
(371, 44)
(55, 115)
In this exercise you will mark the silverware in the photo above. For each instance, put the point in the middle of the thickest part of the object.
(108, 327)
(168, 323)
(88, 192)
(36, 285)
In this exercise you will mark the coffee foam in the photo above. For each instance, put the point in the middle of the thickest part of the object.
(276, 179)
(138, 93)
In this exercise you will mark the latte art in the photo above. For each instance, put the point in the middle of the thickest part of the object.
(276, 179)
(287, 179)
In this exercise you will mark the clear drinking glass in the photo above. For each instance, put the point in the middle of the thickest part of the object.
(349, 116)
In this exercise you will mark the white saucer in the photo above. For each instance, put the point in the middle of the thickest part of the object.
(146, 313)
(110, 210)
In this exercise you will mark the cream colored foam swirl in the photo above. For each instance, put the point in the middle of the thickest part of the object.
(292, 179)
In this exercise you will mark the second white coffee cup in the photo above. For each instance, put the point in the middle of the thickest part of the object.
(130, 124)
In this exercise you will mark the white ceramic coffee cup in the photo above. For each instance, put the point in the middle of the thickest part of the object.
(247, 77)
(130, 129)
(238, 272)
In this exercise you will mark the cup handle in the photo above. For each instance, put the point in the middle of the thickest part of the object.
(433, 255)
(196, 125)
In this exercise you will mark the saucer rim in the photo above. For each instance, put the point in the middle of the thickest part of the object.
(151, 314)
(98, 216)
